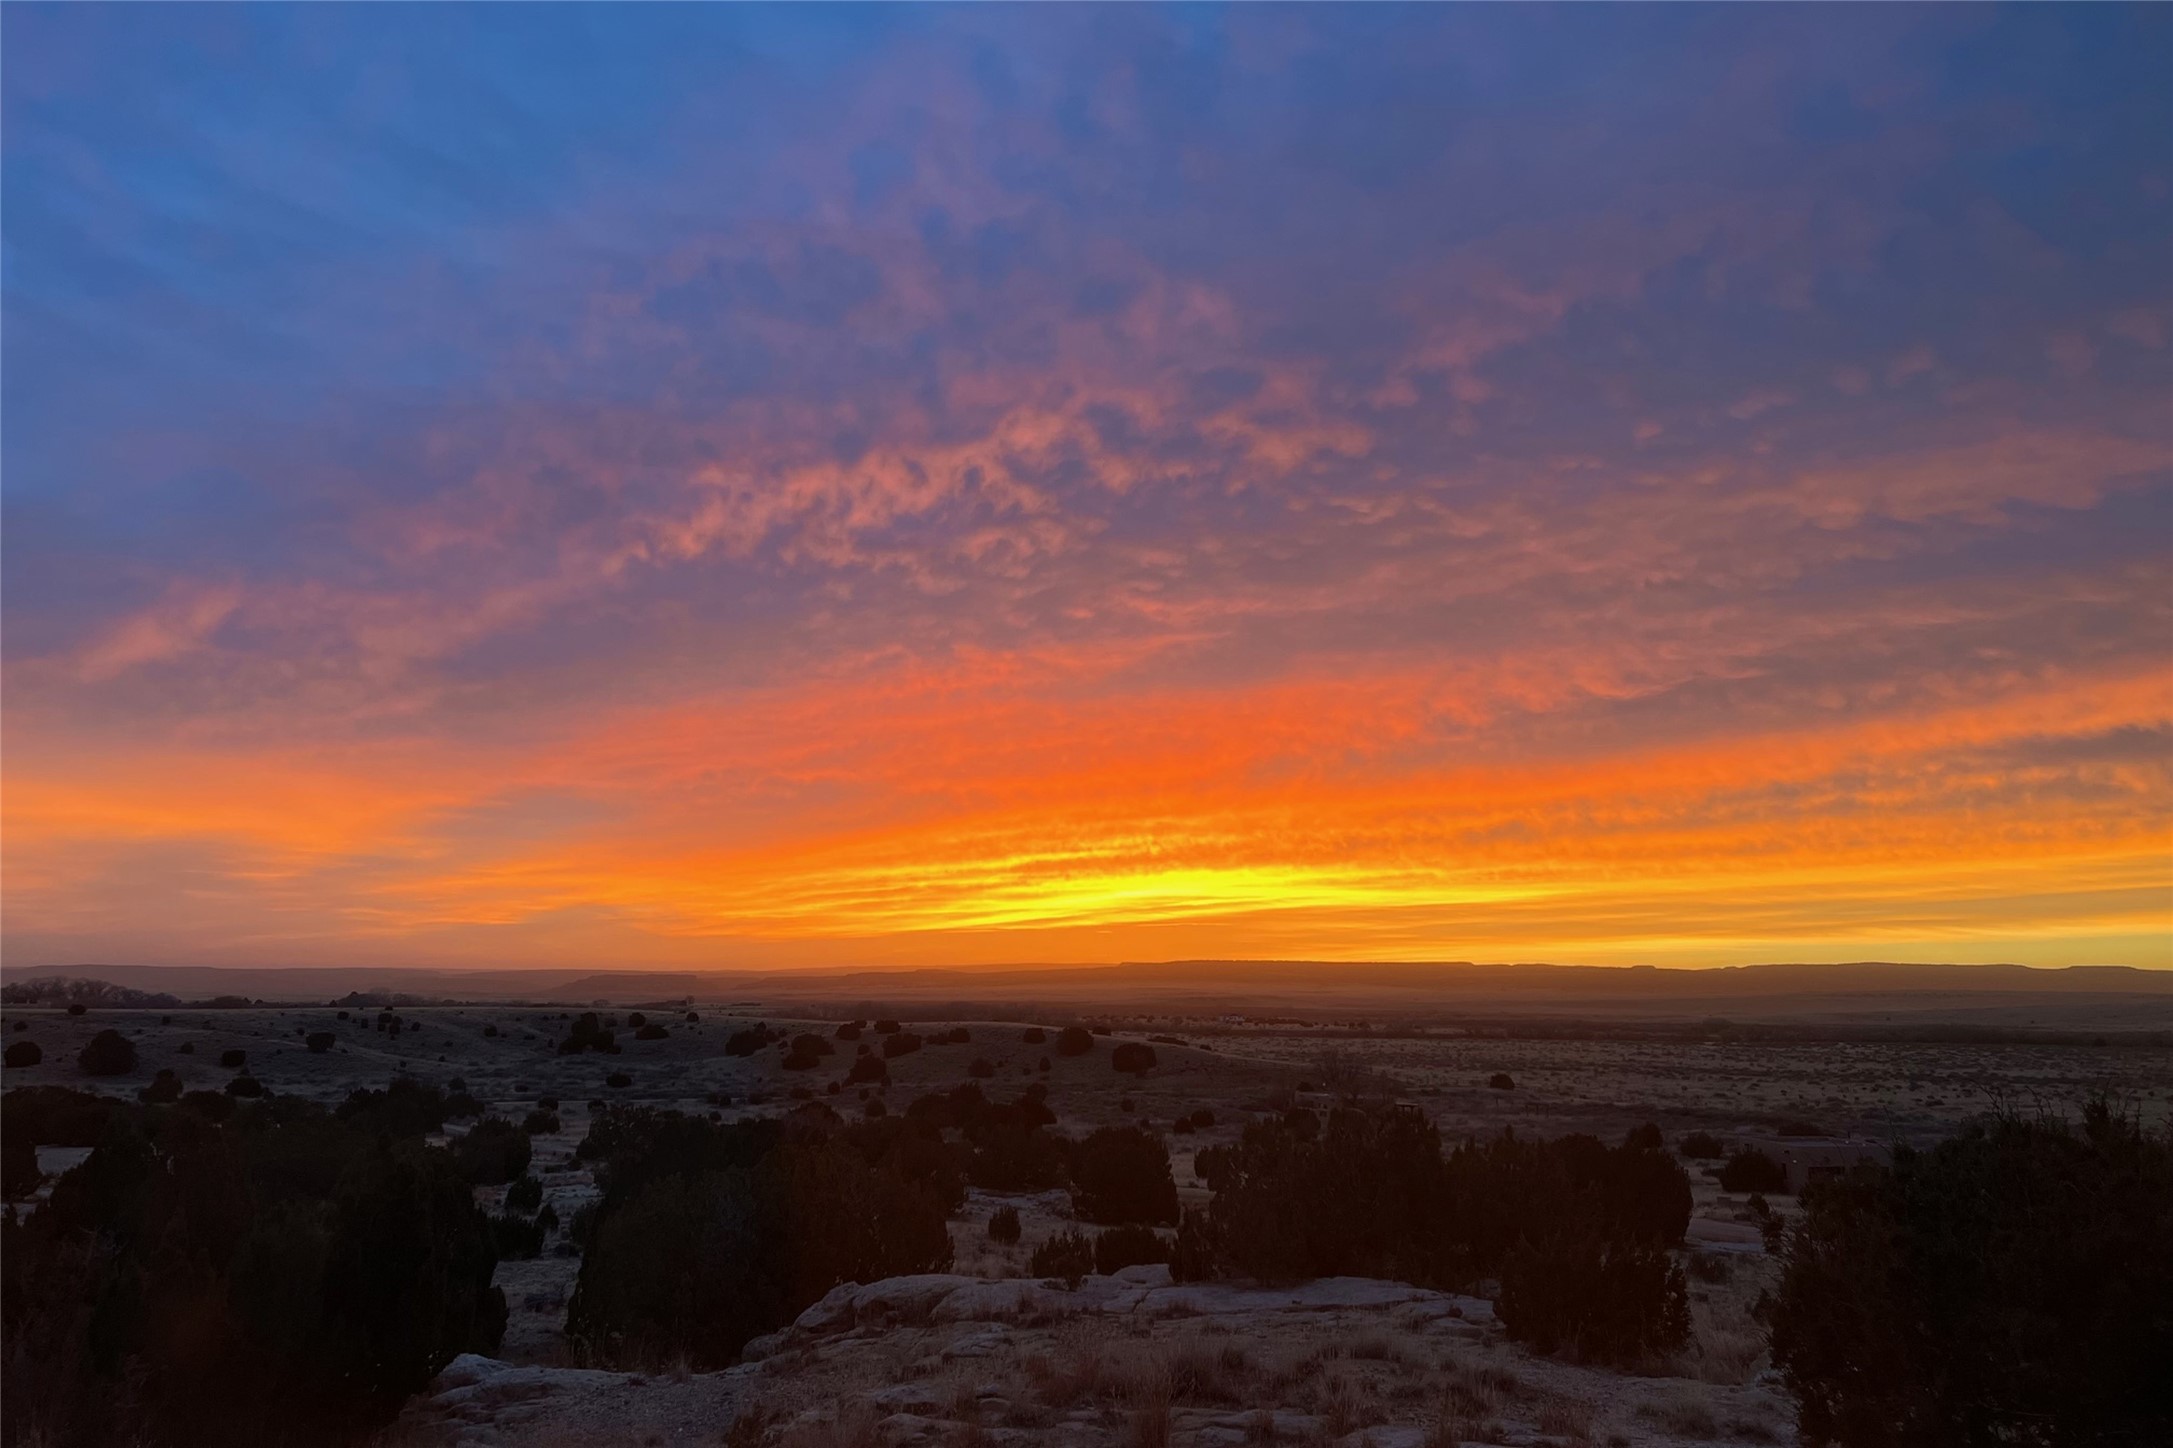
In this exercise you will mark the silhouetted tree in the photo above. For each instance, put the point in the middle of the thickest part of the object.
(2013, 1286)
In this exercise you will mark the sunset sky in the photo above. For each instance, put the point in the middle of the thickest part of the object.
(709, 486)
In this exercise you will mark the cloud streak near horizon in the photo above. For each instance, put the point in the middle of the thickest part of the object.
(694, 485)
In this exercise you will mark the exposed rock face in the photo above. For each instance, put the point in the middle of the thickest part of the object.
(941, 1358)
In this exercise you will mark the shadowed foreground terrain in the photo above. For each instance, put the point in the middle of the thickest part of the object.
(648, 1219)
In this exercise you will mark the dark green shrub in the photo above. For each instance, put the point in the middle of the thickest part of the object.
(407, 1107)
(1074, 1041)
(589, 1033)
(1195, 1257)
(1003, 1225)
(1645, 1138)
(981, 1068)
(1066, 1257)
(618, 1080)
(1121, 1174)
(540, 1123)
(164, 1090)
(850, 1031)
(1132, 1057)
(747, 1041)
(1616, 1302)
(279, 1279)
(1128, 1246)
(493, 1152)
(2013, 1285)
(524, 1195)
(109, 1053)
(233, 1058)
(1751, 1170)
(1502, 1081)
(887, 1028)
(901, 1043)
(708, 1235)
(319, 1042)
(516, 1238)
(652, 1032)
(23, 1053)
(1702, 1146)
(20, 1176)
(1009, 1156)
(547, 1218)
(1034, 1036)
(869, 1069)
(245, 1085)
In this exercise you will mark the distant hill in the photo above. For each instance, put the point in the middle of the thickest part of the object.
(2081, 997)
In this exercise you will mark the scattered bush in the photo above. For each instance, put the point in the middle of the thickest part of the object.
(547, 1218)
(1066, 1257)
(516, 1237)
(618, 1080)
(525, 1195)
(164, 1090)
(278, 1278)
(1645, 1138)
(245, 1085)
(2008, 1286)
(233, 1059)
(1074, 1041)
(1132, 1057)
(76, 1008)
(652, 1032)
(1034, 1036)
(1502, 1081)
(20, 1177)
(694, 1018)
(900, 1043)
(887, 1028)
(707, 1235)
(405, 1108)
(23, 1053)
(493, 1152)
(589, 1033)
(1702, 1146)
(319, 1042)
(1128, 1246)
(540, 1123)
(747, 1041)
(1011, 1156)
(850, 1031)
(1370, 1193)
(1748, 1169)
(109, 1054)
(981, 1068)
(1003, 1225)
(1618, 1302)
(1121, 1174)
(869, 1069)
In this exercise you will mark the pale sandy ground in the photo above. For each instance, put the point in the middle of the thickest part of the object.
(1056, 1373)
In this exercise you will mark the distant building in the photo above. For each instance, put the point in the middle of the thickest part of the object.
(1810, 1159)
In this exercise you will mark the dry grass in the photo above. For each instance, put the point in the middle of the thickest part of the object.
(1566, 1417)
(1681, 1410)
(1475, 1391)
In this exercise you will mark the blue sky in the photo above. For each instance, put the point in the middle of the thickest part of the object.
(428, 398)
